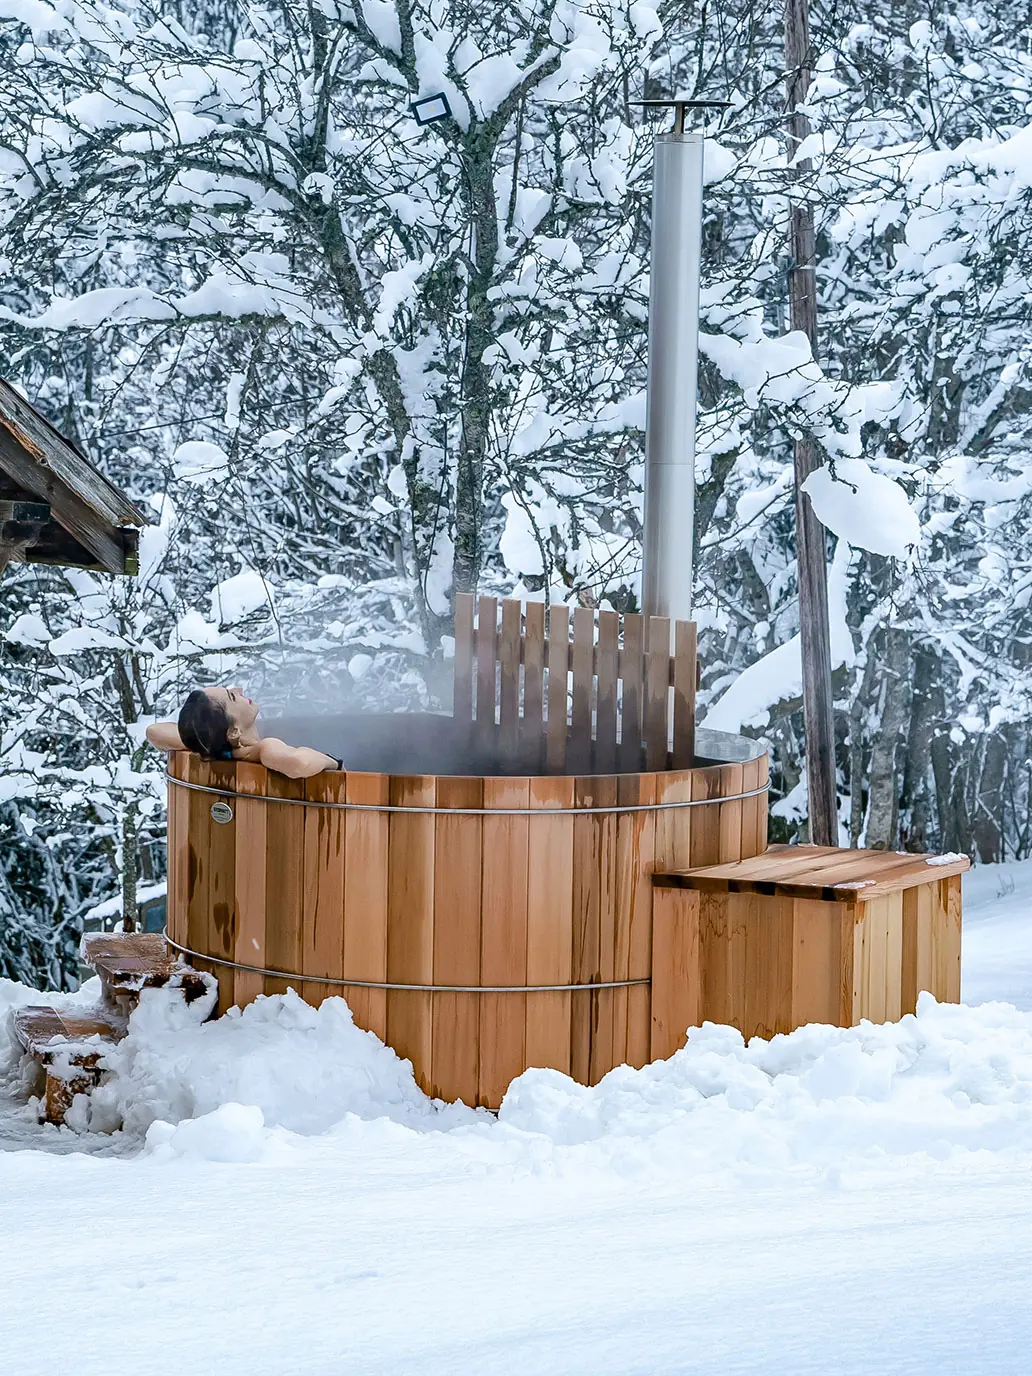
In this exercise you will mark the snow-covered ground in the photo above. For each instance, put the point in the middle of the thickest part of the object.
(997, 961)
(284, 1200)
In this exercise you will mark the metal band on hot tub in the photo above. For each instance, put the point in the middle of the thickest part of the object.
(472, 811)
(415, 988)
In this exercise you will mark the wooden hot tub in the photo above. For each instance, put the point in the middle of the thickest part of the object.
(461, 914)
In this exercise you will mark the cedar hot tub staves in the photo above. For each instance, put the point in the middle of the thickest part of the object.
(456, 914)
(493, 914)
(591, 693)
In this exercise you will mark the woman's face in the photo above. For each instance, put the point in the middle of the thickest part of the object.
(240, 709)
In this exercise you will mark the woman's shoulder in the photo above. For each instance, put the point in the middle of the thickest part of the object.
(271, 747)
(245, 754)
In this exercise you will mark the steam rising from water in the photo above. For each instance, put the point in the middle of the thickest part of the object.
(323, 653)
(402, 743)
(320, 682)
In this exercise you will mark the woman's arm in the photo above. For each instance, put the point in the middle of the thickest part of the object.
(296, 762)
(164, 735)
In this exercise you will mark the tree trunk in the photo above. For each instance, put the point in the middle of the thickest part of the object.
(961, 819)
(475, 384)
(883, 796)
(949, 775)
(986, 830)
(810, 541)
(915, 796)
(130, 867)
(856, 761)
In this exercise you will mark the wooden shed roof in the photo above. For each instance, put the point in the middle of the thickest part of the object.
(55, 507)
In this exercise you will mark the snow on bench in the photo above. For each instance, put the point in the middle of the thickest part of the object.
(130, 962)
(69, 1048)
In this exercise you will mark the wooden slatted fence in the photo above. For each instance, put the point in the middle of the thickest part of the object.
(597, 693)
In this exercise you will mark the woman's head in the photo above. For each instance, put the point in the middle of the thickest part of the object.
(214, 720)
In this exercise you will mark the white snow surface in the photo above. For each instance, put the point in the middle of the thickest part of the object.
(866, 508)
(237, 597)
(283, 1198)
(198, 461)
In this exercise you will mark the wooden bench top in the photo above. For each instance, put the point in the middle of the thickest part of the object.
(826, 872)
(133, 954)
(43, 1030)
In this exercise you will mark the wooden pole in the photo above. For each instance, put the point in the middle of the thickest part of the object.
(810, 544)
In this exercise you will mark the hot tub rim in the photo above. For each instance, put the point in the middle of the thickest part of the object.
(605, 809)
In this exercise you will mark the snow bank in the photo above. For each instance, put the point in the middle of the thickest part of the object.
(938, 1086)
(946, 1088)
(949, 1082)
(998, 934)
(14, 995)
(232, 1132)
(303, 1069)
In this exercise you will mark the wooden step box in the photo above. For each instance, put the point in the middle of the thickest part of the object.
(803, 934)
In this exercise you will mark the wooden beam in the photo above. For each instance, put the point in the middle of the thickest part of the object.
(19, 510)
(20, 526)
(815, 635)
(55, 546)
(80, 520)
(38, 439)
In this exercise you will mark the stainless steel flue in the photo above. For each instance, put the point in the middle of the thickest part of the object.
(673, 366)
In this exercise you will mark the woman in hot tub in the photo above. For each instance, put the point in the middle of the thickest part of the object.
(221, 724)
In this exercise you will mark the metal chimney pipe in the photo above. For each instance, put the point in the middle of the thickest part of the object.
(673, 365)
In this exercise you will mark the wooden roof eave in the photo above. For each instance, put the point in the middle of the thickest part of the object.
(100, 519)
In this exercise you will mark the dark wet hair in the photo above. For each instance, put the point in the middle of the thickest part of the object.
(204, 726)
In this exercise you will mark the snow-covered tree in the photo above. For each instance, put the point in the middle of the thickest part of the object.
(920, 125)
(348, 349)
